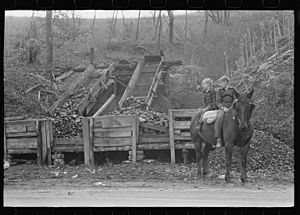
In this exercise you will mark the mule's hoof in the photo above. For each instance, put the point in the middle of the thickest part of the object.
(243, 180)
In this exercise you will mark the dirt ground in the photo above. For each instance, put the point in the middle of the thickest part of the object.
(141, 184)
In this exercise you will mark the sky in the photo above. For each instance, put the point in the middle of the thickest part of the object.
(90, 13)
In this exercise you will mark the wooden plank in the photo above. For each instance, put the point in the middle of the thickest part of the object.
(48, 128)
(117, 132)
(181, 124)
(143, 140)
(131, 85)
(5, 144)
(44, 140)
(153, 146)
(184, 146)
(16, 128)
(21, 143)
(22, 134)
(179, 137)
(114, 148)
(68, 149)
(91, 133)
(134, 137)
(154, 127)
(171, 132)
(116, 121)
(86, 140)
(39, 143)
(104, 106)
(119, 141)
(22, 151)
(14, 118)
(68, 141)
(184, 112)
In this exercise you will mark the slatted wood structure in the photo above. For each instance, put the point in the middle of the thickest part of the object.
(28, 136)
(67, 145)
(179, 125)
(145, 79)
(103, 88)
(109, 133)
(71, 89)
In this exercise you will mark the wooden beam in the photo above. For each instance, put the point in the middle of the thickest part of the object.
(130, 87)
(39, 143)
(171, 133)
(86, 140)
(44, 140)
(48, 145)
(104, 106)
(5, 143)
(135, 126)
(91, 149)
(154, 84)
(154, 127)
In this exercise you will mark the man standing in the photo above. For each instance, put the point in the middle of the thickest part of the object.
(224, 99)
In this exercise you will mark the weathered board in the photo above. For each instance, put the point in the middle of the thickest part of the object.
(28, 136)
(109, 133)
(179, 125)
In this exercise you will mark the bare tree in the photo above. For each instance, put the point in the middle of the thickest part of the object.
(171, 25)
(49, 35)
(137, 27)
(159, 31)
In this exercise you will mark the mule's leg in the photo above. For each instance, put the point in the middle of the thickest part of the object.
(206, 150)
(198, 146)
(243, 153)
(228, 152)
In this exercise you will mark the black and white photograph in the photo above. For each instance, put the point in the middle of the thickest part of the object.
(148, 108)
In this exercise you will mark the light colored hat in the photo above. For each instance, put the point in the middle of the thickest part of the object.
(207, 81)
(224, 77)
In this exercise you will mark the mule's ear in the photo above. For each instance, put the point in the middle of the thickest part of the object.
(252, 107)
(250, 94)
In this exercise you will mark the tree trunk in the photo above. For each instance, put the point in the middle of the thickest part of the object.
(137, 28)
(159, 31)
(156, 25)
(49, 39)
(73, 25)
(171, 25)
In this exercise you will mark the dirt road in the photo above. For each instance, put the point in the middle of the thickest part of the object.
(149, 194)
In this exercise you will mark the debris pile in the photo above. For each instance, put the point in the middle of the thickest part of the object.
(67, 122)
(137, 105)
(267, 155)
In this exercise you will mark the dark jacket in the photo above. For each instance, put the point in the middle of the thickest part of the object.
(225, 98)
(209, 98)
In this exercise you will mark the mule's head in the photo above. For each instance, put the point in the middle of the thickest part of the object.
(244, 108)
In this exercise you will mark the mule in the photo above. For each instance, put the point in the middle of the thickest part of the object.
(237, 130)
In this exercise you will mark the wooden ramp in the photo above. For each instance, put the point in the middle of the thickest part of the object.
(145, 79)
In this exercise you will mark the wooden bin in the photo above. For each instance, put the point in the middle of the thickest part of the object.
(179, 125)
(109, 133)
(28, 136)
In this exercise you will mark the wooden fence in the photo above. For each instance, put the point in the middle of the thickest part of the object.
(179, 126)
(28, 136)
(109, 133)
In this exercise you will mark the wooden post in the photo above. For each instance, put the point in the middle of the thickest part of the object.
(171, 133)
(5, 143)
(86, 140)
(92, 55)
(91, 149)
(39, 142)
(134, 138)
(48, 145)
(44, 140)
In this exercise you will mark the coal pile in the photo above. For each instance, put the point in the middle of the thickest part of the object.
(267, 155)
(137, 105)
(67, 122)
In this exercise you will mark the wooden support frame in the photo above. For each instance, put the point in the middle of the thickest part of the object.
(171, 133)
(5, 144)
(86, 140)
(39, 143)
